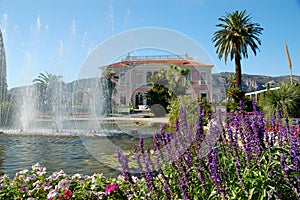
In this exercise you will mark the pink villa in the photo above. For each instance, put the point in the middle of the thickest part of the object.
(135, 73)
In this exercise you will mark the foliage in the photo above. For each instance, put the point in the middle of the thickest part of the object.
(236, 34)
(235, 96)
(49, 87)
(108, 86)
(158, 94)
(167, 85)
(286, 100)
(188, 103)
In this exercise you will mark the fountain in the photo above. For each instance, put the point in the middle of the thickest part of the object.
(66, 115)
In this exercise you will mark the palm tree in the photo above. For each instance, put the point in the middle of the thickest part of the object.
(47, 78)
(46, 85)
(236, 34)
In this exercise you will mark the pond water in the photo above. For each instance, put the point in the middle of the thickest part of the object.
(68, 152)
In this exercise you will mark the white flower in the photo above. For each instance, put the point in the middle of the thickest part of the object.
(134, 179)
(37, 166)
(22, 172)
(41, 171)
(93, 187)
(46, 186)
(77, 175)
(63, 184)
(61, 173)
(4, 177)
(36, 183)
(52, 194)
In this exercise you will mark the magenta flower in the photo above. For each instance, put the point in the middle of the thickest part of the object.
(110, 188)
(67, 194)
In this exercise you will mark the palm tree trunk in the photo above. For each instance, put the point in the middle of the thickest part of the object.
(238, 68)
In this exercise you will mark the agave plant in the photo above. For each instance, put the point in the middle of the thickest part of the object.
(286, 100)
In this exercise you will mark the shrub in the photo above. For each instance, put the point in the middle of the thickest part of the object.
(286, 100)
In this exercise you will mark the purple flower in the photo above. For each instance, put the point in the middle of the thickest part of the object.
(155, 141)
(137, 160)
(123, 160)
(295, 157)
(142, 144)
(213, 163)
(183, 189)
(165, 190)
(285, 168)
(176, 127)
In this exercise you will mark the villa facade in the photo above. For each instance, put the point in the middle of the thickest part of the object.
(135, 73)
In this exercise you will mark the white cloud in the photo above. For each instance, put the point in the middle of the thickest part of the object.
(126, 17)
(38, 24)
(60, 50)
(111, 15)
(84, 39)
(73, 28)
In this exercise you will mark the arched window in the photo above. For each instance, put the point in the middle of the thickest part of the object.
(148, 76)
(139, 96)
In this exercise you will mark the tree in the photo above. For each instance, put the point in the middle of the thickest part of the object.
(167, 85)
(236, 34)
(108, 85)
(49, 92)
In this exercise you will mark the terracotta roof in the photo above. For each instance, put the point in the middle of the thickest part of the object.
(178, 62)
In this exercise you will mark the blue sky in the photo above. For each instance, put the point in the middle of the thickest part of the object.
(57, 35)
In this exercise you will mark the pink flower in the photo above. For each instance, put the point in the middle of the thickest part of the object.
(110, 188)
(296, 134)
(67, 194)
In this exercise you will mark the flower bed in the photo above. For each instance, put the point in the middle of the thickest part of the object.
(245, 157)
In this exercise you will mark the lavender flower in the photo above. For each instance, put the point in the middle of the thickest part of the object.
(123, 160)
(142, 144)
(155, 141)
(183, 189)
(286, 172)
(176, 127)
(166, 190)
(295, 157)
(200, 175)
(137, 159)
(213, 163)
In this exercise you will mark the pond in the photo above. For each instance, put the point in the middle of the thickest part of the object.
(85, 154)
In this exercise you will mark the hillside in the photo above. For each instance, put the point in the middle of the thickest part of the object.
(250, 83)
(219, 85)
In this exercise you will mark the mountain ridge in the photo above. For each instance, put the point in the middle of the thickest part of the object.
(250, 83)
